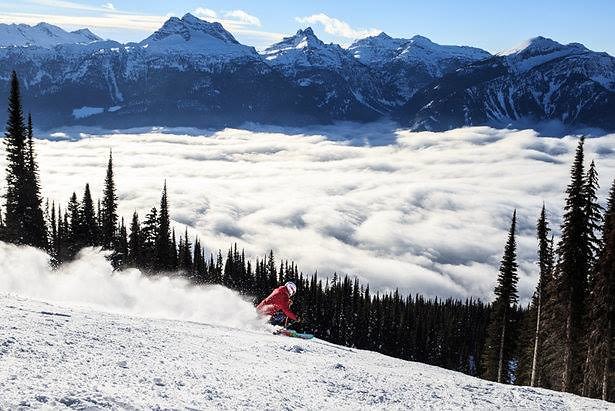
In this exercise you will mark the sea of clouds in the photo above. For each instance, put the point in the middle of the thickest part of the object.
(425, 212)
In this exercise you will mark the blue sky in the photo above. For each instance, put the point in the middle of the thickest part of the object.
(491, 25)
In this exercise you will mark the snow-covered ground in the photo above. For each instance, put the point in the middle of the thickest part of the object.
(56, 356)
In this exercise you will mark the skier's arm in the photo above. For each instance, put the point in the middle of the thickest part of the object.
(287, 312)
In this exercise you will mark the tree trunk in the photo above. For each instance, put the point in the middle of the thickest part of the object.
(567, 348)
(536, 338)
(501, 357)
(607, 363)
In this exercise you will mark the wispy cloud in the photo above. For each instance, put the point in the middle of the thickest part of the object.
(205, 13)
(108, 18)
(243, 17)
(337, 27)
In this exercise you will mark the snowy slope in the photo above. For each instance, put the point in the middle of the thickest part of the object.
(382, 49)
(193, 36)
(55, 356)
(87, 336)
(304, 49)
(42, 35)
(407, 65)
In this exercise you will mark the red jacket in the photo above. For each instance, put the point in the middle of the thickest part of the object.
(278, 300)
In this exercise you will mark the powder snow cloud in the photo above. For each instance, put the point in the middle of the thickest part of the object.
(425, 212)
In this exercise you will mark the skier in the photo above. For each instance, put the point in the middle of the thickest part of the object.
(277, 305)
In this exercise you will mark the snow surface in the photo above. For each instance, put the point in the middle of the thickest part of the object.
(42, 35)
(537, 51)
(56, 356)
(86, 111)
(94, 346)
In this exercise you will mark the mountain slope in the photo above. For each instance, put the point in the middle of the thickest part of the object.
(42, 35)
(193, 36)
(188, 72)
(539, 81)
(407, 65)
(192, 72)
(55, 356)
(328, 75)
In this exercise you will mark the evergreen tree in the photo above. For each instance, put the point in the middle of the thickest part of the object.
(75, 231)
(36, 228)
(135, 243)
(88, 219)
(500, 338)
(23, 221)
(164, 259)
(120, 256)
(531, 367)
(575, 257)
(108, 209)
(598, 370)
(593, 215)
(149, 235)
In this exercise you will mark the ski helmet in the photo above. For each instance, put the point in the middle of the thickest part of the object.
(291, 287)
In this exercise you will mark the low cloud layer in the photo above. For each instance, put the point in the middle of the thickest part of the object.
(427, 212)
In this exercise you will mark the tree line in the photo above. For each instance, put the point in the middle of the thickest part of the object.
(562, 341)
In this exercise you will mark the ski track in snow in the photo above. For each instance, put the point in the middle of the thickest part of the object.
(60, 357)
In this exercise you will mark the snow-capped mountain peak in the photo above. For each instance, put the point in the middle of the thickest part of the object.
(305, 49)
(195, 36)
(539, 50)
(382, 49)
(42, 35)
(534, 45)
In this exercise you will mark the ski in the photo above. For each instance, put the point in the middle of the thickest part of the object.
(293, 333)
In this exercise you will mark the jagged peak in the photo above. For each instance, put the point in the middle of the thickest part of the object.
(188, 28)
(306, 31)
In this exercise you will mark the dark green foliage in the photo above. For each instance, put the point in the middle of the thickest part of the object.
(598, 369)
(164, 259)
(575, 259)
(23, 220)
(108, 210)
(531, 369)
(89, 223)
(499, 349)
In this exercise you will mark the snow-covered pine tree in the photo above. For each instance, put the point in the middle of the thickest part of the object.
(500, 337)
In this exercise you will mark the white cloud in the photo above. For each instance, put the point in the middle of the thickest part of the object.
(205, 13)
(428, 213)
(337, 27)
(242, 17)
(108, 6)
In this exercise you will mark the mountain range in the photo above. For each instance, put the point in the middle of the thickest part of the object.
(192, 72)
